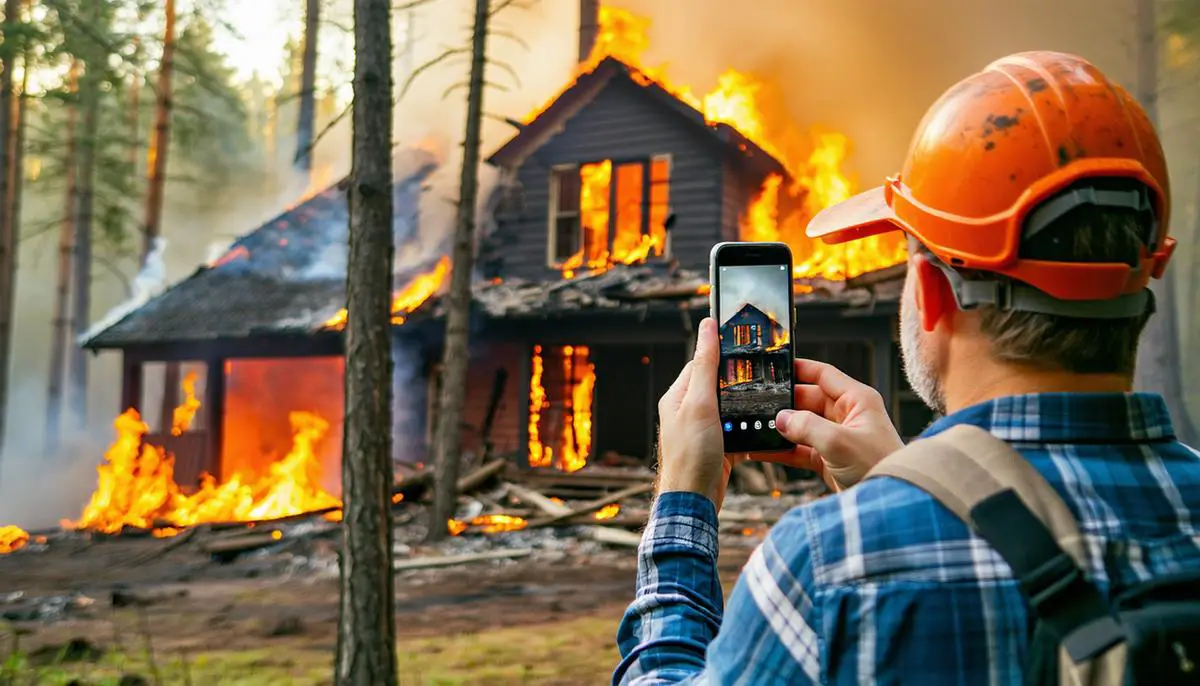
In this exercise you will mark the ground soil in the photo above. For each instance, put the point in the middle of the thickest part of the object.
(124, 594)
(754, 401)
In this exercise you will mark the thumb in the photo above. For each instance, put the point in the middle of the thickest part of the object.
(703, 385)
(808, 429)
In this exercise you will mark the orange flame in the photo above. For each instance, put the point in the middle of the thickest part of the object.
(181, 419)
(539, 455)
(137, 488)
(814, 162)
(413, 295)
(576, 438)
(737, 371)
(488, 524)
(12, 538)
(608, 511)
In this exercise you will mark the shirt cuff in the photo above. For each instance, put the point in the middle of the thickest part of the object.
(682, 518)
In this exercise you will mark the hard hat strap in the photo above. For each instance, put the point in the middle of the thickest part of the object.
(1136, 199)
(1013, 295)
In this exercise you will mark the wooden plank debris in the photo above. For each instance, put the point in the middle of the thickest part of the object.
(591, 507)
(455, 560)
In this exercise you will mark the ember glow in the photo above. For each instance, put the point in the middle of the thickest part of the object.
(12, 538)
(409, 298)
(573, 440)
(814, 162)
(607, 512)
(488, 524)
(137, 487)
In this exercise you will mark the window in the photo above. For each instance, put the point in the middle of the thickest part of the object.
(609, 212)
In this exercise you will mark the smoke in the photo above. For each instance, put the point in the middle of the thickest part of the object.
(149, 282)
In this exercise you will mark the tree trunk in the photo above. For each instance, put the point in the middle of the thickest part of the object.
(308, 89)
(366, 646)
(448, 444)
(60, 325)
(81, 315)
(8, 232)
(12, 204)
(1159, 369)
(160, 144)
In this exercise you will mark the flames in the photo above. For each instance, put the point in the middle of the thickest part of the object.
(575, 436)
(12, 538)
(737, 371)
(813, 161)
(137, 488)
(407, 299)
(181, 419)
(609, 511)
(488, 524)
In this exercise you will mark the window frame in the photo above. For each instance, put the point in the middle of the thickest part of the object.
(553, 215)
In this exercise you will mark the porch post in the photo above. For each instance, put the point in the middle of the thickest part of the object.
(524, 374)
(131, 382)
(214, 391)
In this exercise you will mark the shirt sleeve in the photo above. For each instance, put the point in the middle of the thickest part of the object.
(674, 633)
(677, 605)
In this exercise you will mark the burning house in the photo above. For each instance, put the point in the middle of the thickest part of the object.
(753, 346)
(590, 286)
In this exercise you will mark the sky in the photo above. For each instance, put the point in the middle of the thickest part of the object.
(263, 26)
(765, 287)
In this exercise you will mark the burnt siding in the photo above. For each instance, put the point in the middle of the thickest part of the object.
(738, 191)
(481, 375)
(623, 121)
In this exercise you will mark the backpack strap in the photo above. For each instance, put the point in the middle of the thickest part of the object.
(991, 487)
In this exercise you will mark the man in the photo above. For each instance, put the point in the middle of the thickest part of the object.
(1036, 202)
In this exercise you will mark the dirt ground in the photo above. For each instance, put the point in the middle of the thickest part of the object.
(277, 610)
(754, 401)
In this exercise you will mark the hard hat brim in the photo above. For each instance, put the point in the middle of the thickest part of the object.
(859, 216)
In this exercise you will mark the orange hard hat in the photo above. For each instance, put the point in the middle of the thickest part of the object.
(1001, 155)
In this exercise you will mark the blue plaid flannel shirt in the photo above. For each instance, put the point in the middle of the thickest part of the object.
(883, 585)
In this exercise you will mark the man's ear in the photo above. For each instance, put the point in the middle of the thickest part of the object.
(935, 299)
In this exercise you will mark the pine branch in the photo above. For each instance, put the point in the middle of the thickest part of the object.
(450, 52)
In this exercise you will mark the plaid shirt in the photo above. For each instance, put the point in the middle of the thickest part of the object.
(881, 584)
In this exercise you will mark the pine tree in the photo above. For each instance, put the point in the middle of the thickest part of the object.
(366, 627)
(448, 443)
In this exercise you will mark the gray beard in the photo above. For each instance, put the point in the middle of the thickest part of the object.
(921, 377)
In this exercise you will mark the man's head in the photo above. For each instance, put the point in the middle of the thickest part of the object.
(1035, 197)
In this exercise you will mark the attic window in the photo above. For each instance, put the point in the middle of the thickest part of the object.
(609, 212)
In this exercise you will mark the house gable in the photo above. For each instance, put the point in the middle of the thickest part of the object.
(609, 114)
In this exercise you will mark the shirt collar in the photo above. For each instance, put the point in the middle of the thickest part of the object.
(1067, 418)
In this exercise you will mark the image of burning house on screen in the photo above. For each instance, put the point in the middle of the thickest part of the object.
(755, 331)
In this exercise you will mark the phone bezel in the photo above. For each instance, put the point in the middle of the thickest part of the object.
(738, 254)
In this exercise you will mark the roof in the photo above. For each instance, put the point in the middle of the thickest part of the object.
(285, 277)
(654, 286)
(589, 85)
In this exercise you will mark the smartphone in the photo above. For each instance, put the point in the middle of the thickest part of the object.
(752, 302)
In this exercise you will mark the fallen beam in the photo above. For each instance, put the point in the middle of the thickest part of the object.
(455, 560)
(480, 476)
(593, 506)
(541, 502)
(619, 537)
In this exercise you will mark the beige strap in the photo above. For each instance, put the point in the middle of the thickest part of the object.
(964, 465)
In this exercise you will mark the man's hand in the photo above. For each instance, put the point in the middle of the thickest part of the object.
(840, 426)
(691, 447)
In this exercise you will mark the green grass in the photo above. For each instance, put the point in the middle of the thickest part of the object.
(579, 651)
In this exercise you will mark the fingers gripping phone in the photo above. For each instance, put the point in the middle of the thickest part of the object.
(751, 299)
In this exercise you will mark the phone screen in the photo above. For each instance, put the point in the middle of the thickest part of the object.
(754, 313)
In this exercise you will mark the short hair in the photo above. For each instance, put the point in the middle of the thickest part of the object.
(1073, 344)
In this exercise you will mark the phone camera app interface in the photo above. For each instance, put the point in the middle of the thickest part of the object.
(755, 375)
